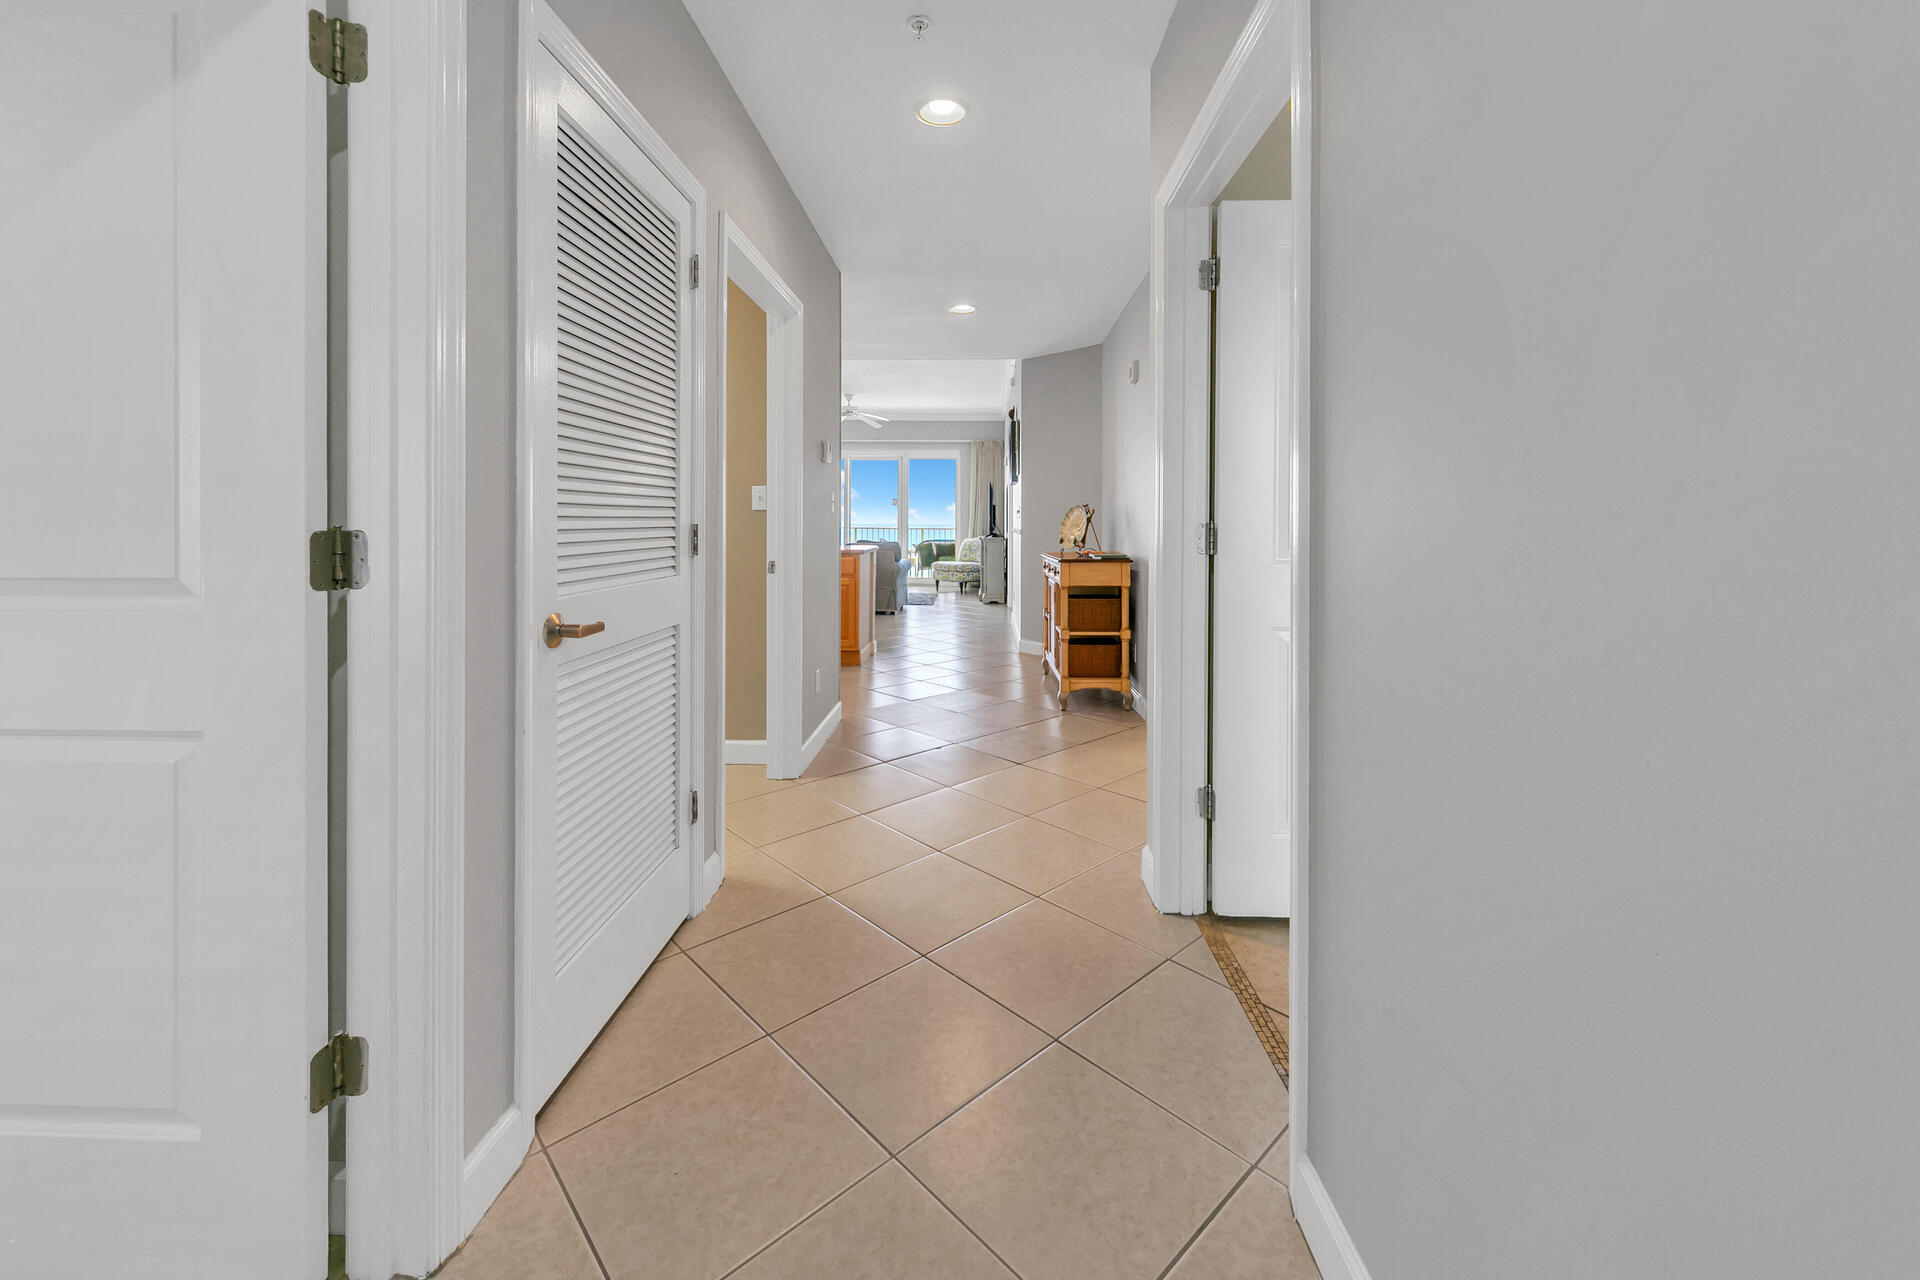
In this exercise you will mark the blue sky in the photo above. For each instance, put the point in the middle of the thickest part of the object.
(931, 491)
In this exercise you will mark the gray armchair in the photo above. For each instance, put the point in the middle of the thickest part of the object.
(889, 576)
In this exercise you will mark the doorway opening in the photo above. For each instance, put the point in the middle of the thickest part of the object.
(757, 488)
(748, 585)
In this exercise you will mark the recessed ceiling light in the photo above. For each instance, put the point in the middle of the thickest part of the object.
(961, 308)
(942, 112)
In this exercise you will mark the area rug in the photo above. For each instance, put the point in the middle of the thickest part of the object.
(919, 597)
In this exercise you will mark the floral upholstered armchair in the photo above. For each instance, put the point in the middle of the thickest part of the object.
(962, 569)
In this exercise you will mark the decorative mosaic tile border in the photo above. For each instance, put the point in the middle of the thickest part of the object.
(1272, 1039)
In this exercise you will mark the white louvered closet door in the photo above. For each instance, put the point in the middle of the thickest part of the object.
(607, 454)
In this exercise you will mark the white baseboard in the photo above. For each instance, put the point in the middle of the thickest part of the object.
(1139, 702)
(746, 751)
(1150, 871)
(1030, 646)
(818, 739)
(711, 872)
(494, 1160)
(1333, 1248)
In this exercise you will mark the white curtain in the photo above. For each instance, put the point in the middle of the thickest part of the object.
(987, 470)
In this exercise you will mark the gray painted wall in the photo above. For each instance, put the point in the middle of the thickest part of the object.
(1200, 34)
(1616, 639)
(653, 50)
(1059, 461)
(1129, 461)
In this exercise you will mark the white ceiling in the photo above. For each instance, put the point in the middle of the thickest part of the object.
(929, 389)
(1034, 208)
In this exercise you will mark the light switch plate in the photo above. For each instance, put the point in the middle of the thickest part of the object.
(759, 497)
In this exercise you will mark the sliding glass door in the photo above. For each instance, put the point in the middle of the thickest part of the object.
(912, 499)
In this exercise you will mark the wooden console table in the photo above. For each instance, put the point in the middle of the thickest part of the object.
(1088, 623)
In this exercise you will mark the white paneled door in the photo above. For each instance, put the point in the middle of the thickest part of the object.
(608, 440)
(1252, 844)
(162, 707)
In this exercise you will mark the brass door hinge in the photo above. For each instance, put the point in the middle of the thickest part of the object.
(336, 48)
(339, 1070)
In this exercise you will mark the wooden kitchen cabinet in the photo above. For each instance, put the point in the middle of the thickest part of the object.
(856, 605)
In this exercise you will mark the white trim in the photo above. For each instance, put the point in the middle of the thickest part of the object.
(1139, 700)
(496, 1157)
(1149, 864)
(539, 28)
(1327, 1236)
(818, 738)
(406, 636)
(1305, 114)
(988, 414)
(1269, 65)
(881, 447)
(1248, 95)
(744, 265)
(1031, 646)
(746, 751)
(1177, 751)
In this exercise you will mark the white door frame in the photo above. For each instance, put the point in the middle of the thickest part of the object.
(1269, 65)
(412, 1195)
(413, 1190)
(406, 158)
(744, 265)
(1250, 92)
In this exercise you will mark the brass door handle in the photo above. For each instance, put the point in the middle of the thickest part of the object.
(557, 630)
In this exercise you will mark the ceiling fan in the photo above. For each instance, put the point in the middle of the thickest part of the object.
(851, 414)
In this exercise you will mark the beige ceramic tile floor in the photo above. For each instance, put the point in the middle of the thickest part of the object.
(929, 1028)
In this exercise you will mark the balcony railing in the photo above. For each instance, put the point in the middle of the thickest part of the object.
(916, 534)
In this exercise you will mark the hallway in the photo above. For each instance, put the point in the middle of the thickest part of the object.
(930, 1026)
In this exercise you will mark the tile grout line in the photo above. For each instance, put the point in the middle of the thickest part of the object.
(1233, 1191)
(1252, 1168)
(808, 1216)
(579, 1221)
(1207, 1221)
(892, 1156)
(968, 1226)
(1124, 1083)
(634, 1102)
